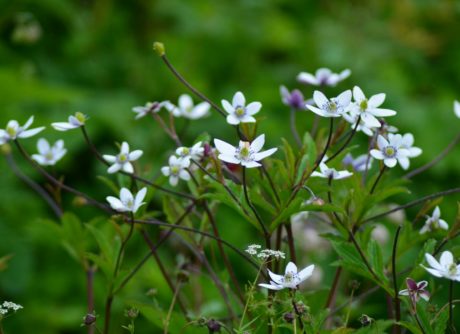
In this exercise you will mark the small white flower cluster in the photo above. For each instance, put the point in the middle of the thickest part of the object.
(178, 165)
(264, 254)
(9, 306)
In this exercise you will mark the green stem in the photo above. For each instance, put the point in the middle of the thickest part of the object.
(346, 142)
(171, 307)
(377, 179)
(396, 301)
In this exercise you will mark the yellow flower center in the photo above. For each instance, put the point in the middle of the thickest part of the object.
(390, 151)
(11, 131)
(122, 157)
(80, 117)
(175, 170)
(185, 151)
(453, 269)
(363, 105)
(240, 111)
(49, 156)
(289, 277)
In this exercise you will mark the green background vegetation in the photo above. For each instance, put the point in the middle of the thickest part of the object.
(96, 57)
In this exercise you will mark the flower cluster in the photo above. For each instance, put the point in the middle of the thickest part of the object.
(9, 306)
(264, 254)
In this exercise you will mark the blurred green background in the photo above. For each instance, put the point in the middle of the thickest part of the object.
(58, 57)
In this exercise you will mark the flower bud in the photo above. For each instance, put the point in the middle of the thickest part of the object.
(132, 313)
(183, 276)
(288, 317)
(159, 48)
(5, 149)
(213, 326)
(89, 319)
(366, 320)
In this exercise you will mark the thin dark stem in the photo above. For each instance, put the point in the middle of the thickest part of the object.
(254, 210)
(297, 312)
(90, 293)
(333, 294)
(414, 203)
(171, 308)
(382, 170)
(350, 137)
(314, 128)
(59, 184)
(433, 162)
(35, 186)
(419, 323)
(223, 254)
(272, 185)
(189, 86)
(290, 239)
(294, 128)
(396, 301)
(451, 306)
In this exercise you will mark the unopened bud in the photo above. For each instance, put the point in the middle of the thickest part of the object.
(213, 326)
(159, 48)
(132, 313)
(5, 149)
(79, 201)
(89, 319)
(288, 317)
(366, 320)
(354, 285)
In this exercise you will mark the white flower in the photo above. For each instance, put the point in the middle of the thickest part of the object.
(291, 278)
(238, 112)
(49, 155)
(127, 202)
(390, 151)
(434, 222)
(149, 108)
(123, 160)
(14, 130)
(73, 122)
(323, 77)
(352, 118)
(10, 305)
(358, 164)
(446, 267)
(327, 173)
(457, 108)
(369, 109)
(407, 141)
(247, 154)
(195, 152)
(334, 107)
(176, 170)
(187, 109)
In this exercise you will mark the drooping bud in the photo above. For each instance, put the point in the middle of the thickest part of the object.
(159, 48)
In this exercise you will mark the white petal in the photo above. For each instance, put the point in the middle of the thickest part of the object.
(382, 142)
(63, 126)
(433, 262)
(382, 112)
(258, 143)
(224, 148)
(139, 198)
(173, 180)
(376, 100)
(358, 94)
(253, 108)
(271, 287)
(319, 98)
(39, 159)
(344, 74)
(200, 110)
(370, 120)
(238, 100)
(247, 119)
(422, 284)
(109, 158)
(134, 155)
(115, 203)
(390, 162)
(228, 107)
(114, 168)
(291, 267)
(125, 195)
(377, 154)
(443, 224)
(308, 78)
(278, 279)
(30, 133)
(344, 98)
(261, 155)
(127, 167)
(250, 164)
(306, 272)
(436, 213)
(343, 174)
(457, 108)
(185, 102)
(229, 158)
(166, 170)
(233, 120)
(446, 259)
(318, 111)
(28, 123)
(124, 148)
(414, 152)
(184, 175)
(435, 272)
(404, 292)
(43, 146)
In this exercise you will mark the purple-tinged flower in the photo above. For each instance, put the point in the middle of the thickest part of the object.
(323, 77)
(293, 99)
(360, 164)
(415, 290)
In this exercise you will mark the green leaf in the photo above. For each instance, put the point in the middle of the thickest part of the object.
(440, 323)
(106, 244)
(109, 183)
(410, 326)
(424, 317)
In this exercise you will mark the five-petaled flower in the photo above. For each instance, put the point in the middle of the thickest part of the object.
(415, 290)
(391, 152)
(14, 130)
(368, 109)
(446, 267)
(127, 202)
(247, 154)
(331, 173)
(149, 108)
(407, 142)
(457, 108)
(176, 170)
(122, 161)
(49, 155)
(291, 278)
(238, 111)
(434, 222)
(187, 109)
(323, 77)
(334, 107)
(73, 122)
(195, 152)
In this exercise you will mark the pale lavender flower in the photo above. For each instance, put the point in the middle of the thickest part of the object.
(323, 77)
(360, 164)
(293, 99)
(239, 112)
(49, 155)
(13, 131)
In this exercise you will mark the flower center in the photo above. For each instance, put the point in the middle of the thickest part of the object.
(452, 269)
(175, 170)
(129, 204)
(244, 153)
(49, 156)
(289, 277)
(80, 117)
(11, 131)
(185, 151)
(390, 151)
(122, 157)
(240, 111)
(332, 106)
(363, 105)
